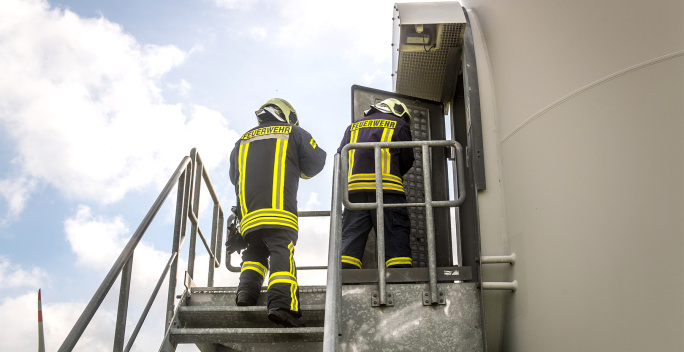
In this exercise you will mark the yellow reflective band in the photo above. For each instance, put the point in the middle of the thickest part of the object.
(313, 143)
(284, 274)
(389, 182)
(281, 190)
(373, 123)
(386, 157)
(276, 176)
(384, 153)
(352, 152)
(268, 216)
(281, 281)
(242, 167)
(268, 221)
(371, 177)
(351, 260)
(256, 266)
(371, 186)
(368, 185)
(267, 130)
(399, 261)
(290, 247)
(269, 213)
(294, 304)
(282, 277)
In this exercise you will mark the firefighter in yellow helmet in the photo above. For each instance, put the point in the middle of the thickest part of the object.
(387, 121)
(265, 167)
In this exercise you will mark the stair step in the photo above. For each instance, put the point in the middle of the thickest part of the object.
(225, 296)
(246, 317)
(246, 335)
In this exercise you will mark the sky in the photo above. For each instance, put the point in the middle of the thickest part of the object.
(101, 100)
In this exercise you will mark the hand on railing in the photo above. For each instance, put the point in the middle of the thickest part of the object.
(235, 241)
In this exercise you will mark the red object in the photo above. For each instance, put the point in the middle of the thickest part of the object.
(40, 309)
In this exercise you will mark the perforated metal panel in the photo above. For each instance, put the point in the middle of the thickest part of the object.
(414, 187)
(421, 73)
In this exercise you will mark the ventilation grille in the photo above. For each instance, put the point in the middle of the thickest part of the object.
(421, 73)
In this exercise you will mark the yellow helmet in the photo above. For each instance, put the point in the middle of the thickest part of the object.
(281, 110)
(394, 107)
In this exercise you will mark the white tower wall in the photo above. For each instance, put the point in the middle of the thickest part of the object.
(583, 117)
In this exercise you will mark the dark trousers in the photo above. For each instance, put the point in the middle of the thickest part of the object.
(278, 243)
(356, 225)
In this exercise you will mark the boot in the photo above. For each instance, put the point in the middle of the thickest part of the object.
(285, 318)
(244, 299)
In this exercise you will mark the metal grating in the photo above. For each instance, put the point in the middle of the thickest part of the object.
(414, 188)
(421, 73)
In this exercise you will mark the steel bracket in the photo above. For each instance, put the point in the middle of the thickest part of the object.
(375, 300)
(188, 282)
(441, 298)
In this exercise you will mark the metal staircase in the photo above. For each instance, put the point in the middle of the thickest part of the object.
(431, 308)
(209, 318)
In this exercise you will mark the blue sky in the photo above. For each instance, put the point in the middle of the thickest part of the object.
(100, 101)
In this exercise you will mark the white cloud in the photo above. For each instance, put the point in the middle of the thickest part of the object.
(82, 101)
(14, 276)
(19, 314)
(235, 4)
(362, 29)
(183, 87)
(313, 203)
(18, 318)
(16, 192)
(369, 78)
(257, 32)
(98, 241)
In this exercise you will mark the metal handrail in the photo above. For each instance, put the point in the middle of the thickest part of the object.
(187, 197)
(413, 144)
(379, 206)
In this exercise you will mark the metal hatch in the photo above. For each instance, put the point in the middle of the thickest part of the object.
(427, 42)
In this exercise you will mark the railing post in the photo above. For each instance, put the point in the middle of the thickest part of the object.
(122, 312)
(178, 237)
(216, 233)
(196, 182)
(380, 225)
(429, 221)
(333, 297)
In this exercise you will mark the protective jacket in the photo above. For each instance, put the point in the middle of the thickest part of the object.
(265, 166)
(378, 127)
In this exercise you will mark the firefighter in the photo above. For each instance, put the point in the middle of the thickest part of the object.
(265, 167)
(386, 121)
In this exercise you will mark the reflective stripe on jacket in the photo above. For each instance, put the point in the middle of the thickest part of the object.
(265, 167)
(378, 127)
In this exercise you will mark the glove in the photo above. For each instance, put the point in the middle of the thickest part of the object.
(235, 242)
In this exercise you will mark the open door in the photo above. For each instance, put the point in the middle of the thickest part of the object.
(427, 123)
